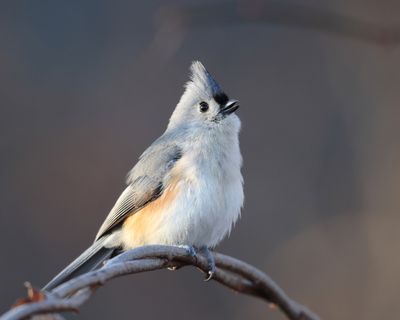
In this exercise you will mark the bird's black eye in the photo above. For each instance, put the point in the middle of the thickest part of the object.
(203, 106)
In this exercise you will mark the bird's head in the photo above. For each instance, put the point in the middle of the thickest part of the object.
(204, 104)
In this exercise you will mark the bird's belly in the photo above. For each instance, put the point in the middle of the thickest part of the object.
(187, 214)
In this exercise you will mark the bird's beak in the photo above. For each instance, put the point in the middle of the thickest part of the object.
(229, 107)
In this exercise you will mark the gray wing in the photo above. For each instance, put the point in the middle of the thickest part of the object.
(145, 182)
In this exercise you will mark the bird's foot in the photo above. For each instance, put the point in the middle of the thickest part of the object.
(190, 251)
(210, 262)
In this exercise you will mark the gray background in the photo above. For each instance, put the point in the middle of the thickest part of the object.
(85, 87)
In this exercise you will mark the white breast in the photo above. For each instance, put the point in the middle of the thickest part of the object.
(209, 199)
(206, 202)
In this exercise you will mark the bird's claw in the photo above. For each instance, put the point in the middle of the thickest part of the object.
(210, 275)
(210, 263)
(173, 268)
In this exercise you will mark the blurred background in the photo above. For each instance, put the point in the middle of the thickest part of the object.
(85, 87)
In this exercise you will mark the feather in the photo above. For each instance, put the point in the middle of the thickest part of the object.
(146, 181)
(89, 260)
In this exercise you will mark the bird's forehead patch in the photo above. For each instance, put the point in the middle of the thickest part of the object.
(221, 98)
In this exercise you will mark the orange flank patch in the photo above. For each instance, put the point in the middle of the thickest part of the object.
(139, 228)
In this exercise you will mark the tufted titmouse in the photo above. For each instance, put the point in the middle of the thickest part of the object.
(186, 189)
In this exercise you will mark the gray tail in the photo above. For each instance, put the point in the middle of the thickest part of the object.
(90, 259)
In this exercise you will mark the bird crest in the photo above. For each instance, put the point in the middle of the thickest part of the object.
(202, 81)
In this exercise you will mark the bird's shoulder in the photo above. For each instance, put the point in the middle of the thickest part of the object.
(157, 159)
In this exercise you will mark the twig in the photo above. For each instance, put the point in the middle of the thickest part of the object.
(231, 272)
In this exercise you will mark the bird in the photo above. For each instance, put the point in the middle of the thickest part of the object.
(186, 188)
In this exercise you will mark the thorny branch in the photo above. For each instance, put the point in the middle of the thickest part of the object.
(231, 272)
